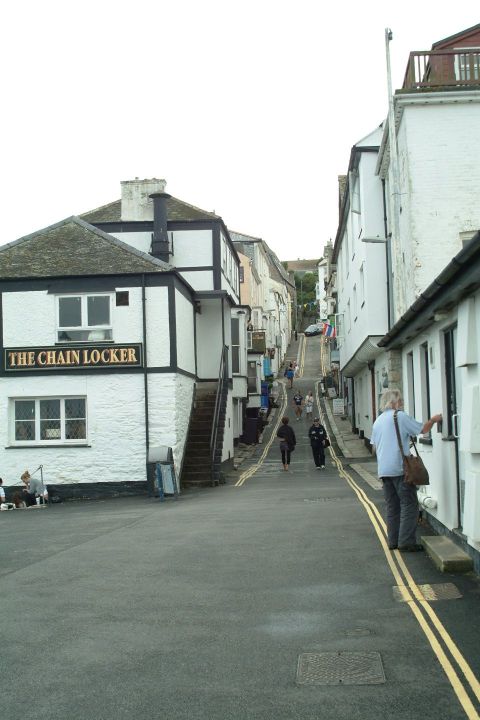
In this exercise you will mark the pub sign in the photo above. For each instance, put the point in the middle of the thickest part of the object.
(73, 357)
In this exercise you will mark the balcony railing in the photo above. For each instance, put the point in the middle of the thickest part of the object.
(440, 69)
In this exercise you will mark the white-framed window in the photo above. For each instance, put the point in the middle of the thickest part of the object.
(236, 345)
(48, 420)
(224, 255)
(84, 318)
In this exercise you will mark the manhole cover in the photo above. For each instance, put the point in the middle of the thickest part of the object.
(340, 668)
(440, 591)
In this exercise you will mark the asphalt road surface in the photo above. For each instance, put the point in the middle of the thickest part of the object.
(269, 599)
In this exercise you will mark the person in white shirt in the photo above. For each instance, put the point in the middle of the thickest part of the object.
(400, 497)
(2, 492)
(309, 404)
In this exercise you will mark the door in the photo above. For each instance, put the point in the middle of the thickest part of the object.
(453, 419)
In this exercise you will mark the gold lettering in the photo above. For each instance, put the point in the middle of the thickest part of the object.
(105, 356)
(95, 356)
(131, 355)
(113, 355)
(86, 359)
(51, 357)
(75, 356)
(60, 358)
(42, 357)
(123, 355)
(31, 358)
(12, 359)
(21, 359)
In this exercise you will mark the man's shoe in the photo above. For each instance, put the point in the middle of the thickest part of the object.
(392, 547)
(323, 467)
(411, 548)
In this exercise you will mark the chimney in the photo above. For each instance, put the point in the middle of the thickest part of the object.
(160, 244)
(136, 203)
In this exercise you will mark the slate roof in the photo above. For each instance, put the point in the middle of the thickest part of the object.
(176, 210)
(73, 247)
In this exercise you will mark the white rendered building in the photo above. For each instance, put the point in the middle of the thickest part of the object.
(106, 345)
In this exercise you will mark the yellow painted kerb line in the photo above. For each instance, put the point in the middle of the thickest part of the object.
(253, 468)
(414, 598)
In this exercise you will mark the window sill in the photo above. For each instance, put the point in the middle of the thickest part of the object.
(67, 343)
(40, 446)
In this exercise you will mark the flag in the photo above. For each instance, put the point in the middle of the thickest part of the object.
(329, 330)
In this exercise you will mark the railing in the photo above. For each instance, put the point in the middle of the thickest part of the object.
(221, 388)
(442, 68)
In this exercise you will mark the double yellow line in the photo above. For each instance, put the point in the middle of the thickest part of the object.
(412, 595)
(253, 468)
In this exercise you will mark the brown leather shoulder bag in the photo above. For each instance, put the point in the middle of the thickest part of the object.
(414, 470)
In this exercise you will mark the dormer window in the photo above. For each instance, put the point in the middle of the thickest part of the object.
(84, 318)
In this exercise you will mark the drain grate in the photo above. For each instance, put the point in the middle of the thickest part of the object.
(440, 591)
(340, 668)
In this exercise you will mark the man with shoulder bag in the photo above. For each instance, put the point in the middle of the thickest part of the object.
(399, 471)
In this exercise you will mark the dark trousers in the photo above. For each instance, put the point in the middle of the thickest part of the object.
(402, 511)
(285, 457)
(318, 455)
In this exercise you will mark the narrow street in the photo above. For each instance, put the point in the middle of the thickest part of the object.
(237, 602)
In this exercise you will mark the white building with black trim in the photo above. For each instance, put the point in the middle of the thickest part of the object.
(115, 336)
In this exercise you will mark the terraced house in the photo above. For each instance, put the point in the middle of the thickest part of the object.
(116, 338)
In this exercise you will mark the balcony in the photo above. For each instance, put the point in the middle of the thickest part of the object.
(432, 70)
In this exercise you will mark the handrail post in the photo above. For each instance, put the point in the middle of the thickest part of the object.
(222, 377)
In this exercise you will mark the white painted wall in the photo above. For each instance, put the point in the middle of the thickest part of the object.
(440, 456)
(192, 248)
(184, 313)
(170, 402)
(158, 327)
(363, 300)
(209, 338)
(116, 430)
(199, 280)
(438, 148)
(19, 310)
(139, 240)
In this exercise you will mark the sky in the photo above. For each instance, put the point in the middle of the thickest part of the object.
(246, 108)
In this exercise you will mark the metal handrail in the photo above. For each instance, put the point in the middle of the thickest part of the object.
(442, 68)
(222, 382)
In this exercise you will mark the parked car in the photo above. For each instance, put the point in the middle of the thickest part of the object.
(313, 330)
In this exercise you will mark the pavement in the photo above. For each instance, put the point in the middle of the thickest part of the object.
(271, 597)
